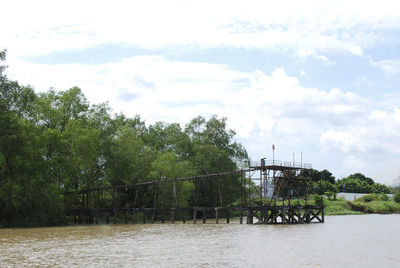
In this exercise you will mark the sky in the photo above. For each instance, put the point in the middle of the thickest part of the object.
(319, 79)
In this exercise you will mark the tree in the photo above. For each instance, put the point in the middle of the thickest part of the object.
(361, 177)
(396, 197)
(214, 150)
(316, 175)
(380, 188)
(323, 186)
(327, 176)
(167, 166)
(54, 146)
(26, 197)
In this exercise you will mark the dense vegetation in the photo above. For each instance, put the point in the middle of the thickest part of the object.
(324, 182)
(54, 143)
(371, 203)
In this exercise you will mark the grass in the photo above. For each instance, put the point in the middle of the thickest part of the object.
(369, 204)
(339, 207)
(378, 207)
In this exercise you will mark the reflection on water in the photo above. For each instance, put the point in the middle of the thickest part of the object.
(355, 241)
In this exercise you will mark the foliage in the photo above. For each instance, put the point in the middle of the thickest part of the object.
(339, 207)
(317, 176)
(331, 195)
(373, 197)
(396, 197)
(56, 145)
(358, 183)
(318, 199)
(376, 206)
(321, 187)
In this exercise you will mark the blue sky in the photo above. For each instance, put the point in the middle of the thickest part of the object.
(318, 77)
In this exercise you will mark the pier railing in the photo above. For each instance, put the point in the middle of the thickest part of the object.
(279, 163)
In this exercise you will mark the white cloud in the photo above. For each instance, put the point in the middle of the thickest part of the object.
(390, 66)
(262, 108)
(147, 85)
(356, 50)
(305, 53)
(42, 27)
(377, 132)
(371, 144)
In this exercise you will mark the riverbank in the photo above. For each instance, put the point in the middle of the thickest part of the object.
(370, 204)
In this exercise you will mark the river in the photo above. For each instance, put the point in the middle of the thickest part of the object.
(342, 241)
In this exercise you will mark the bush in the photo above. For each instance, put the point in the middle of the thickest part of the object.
(373, 197)
(396, 197)
(369, 198)
(383, 197)
(331, 195)
(319, 200)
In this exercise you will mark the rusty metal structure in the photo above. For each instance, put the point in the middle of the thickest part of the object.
(281, 193)
(271, 192)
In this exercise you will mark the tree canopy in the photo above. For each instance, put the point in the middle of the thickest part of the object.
(56, 142)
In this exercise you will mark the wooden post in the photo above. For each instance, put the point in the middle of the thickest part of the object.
(115, 216)
(162, 216)
(290, 215)
(283, 214)
(323, 214)
(241, 216)
(194, 215)
(216, 215)
(249, 216)
(262, 214)
(183, 216)
(241, 188)
(108, 216)
(300, 216)
(228, 214)
(204, 216)
(172, 216)
(134, 216)
(91, 217)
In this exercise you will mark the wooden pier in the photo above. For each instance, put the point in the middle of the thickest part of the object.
(287, 203)
(248, 215)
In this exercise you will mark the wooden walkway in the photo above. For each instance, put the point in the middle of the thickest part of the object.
(252, 215)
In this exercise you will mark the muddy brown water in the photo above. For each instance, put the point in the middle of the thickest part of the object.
(342, 241)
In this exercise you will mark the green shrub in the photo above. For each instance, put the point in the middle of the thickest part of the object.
(383, 197)
(331, 195)
(318, 199)
(396, 197)
(370, 198)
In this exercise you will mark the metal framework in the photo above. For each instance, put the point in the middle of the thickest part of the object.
(271, 192)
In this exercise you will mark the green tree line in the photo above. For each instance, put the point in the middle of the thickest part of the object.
(323, 181)
(55, 142)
